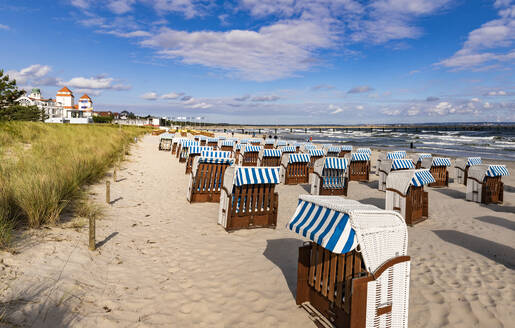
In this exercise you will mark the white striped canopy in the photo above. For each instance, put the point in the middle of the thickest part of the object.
(288, 149)
(441, 161)
(338, 163)
(254, 141)
(298, 158)
(167, 136)
(256, 175)
(202, 137)
(244, 141)
(216, 160)
(474, 161)
(317, 152)
(239, 146)
(272, 153)
(250, 149)
(346, 147)
(405, 163)
(333, 149)
(360, 157)
(229, 143)
(188, 142)
(280, 143)
(421, 178)
(212, 139)
(399, 154)
(497, 170)
(309, 146)
(269, 141)
(221, 138)
(216, 154)
(423, 155)
(195, 150)
(364, 150)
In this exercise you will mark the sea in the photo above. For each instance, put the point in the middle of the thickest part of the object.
(496, 144)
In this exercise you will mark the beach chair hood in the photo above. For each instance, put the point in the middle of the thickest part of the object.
(479, 172)
(402, 180)
(462, 163)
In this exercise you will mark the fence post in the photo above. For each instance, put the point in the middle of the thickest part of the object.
(108, 192)
(92, 243)
(114, 174)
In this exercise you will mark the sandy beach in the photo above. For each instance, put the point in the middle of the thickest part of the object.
(162, 262)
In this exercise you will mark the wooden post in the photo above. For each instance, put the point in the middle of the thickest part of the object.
(114, 174)
(108, 192)
(92, 243)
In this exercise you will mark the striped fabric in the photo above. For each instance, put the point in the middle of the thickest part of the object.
(334, 149)
(289, 149)
(256, 175)
(396, 154)
(250, 149)
(360, 157)
(421, 178)
(405, 163)
(229, 143)
(188, 142)
(364, 150)
(346, 147)
(309, 146)
(255, 141)
(221, 138)
(244, 141)
(272, 153)
(299, 158)
(317, 152)
(201, 137)
(280, 143)
(212, 139)
(335, 163)
(167, 136)
(497, 170)
(423, 155)
(331, 182)
(474, 161)
(195, 150)
(216, 154)
(441, 161)
(216, 160)
(329, 228)
(270, 142)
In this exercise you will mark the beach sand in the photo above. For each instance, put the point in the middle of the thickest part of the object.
(162, 262)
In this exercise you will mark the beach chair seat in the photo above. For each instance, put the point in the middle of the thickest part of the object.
(213, 143)
(183, 149)
(462, 166)
(226, 145)
(269, 157)
(254, 142)
(248, 155)
(295, 169)
(405, 194)
(388, 165)
(194, 151)
(359, 166)
(207, 176)
(438, 168)
(269, 144)
(165, 141)
(248, 198)
(314, 155)
(329, 177)
(485, 184)
(351, 287)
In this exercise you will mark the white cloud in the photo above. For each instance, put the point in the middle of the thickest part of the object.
(150, 96)
(487, 105)
(360, 107)
(335, 109)
(391, 112)
(4, 27)
(413, 111)
(443, 108)
(265, 98)
(94, 83)
(360, 89)
(120, 6)
(33, 74)
(201, 105)
(133, 34)
(172, 95)
(496, 93)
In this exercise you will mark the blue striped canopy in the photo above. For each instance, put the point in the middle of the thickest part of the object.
(244, 141)
(229, 143)
(396, 154)
(212, 139)
(474, 161)
(360, 157)
(338, 163)
(309, 146)
(346, 147)
(167, 136)
(202, 137)
(239, 146)
(216, 160)
(280, 143)
(251, 149)
(329, 228)
(289, 149)
(269, 141)
(221, 138)
(272, 153)
(364, 150)
(497, 170)
(441, 161)
(216, 154)
(254, 141)
(421, 178)
(188, 142)
(299, 158)
(195, 150)
(423, 155)
(405, 163)
(333, 149)
(256, 175)
(317, 152)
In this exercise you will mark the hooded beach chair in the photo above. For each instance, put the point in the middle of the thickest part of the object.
(288, 149)
(333, 151)
(255, 142)
(329, 177)
(269, 144)
(280, 143)
(248, 198)
(295, 169)
(314, 155)
(355, 270)
(484, 183)
(388, 165)
(306, 147)
(398, 154)
(202, 140)
(345, 149)
(405, 193)
(462, 166)
(359, 166)
(419, 158)
(165, 141)
(212, 142)
(194, 151)
(227, 145)
(176, 144)
(269, 157)
(182, 151)
(438, 168)
(248, 155)
(207, 176)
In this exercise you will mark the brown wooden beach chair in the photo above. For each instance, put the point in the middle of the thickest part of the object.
(390, 165)
(359, 167)
(248, 198)
(295, 169)
(213, 143)
(438, 168)
(182, 150)
(462, 166)
(194, 151)
(314, 155)
(345, 149)
(269, 157)
(421, 156)
(351, 288)
(329, 177)
(248, 155)
(207, 176)
(269, 144)
(485, 185)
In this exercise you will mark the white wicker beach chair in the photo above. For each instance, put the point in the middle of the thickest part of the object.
(462, 166)
(438, 168)
(484, 183)
(388, 165)
(355, 271)
(165, 141)
(329, 177)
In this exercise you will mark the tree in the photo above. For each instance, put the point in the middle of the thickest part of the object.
(9, 109)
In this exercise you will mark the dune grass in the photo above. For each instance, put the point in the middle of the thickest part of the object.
(43, 167)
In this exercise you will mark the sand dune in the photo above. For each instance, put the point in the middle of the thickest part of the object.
(163, 262)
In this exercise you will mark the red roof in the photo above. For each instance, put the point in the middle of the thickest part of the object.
(65, 89)
(85, 96)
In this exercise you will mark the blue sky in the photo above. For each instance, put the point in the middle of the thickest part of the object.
(271, 61)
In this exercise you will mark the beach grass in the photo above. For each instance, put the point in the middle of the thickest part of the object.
(43, 168)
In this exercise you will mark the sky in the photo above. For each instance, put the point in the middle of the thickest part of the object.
(271, 61)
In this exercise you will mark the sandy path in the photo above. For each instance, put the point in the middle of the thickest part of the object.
(165, 262)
